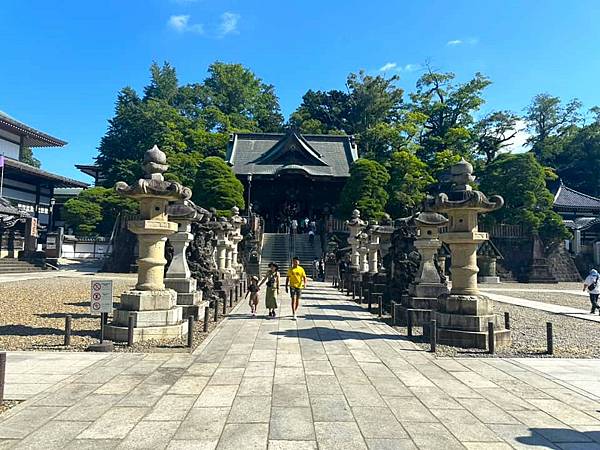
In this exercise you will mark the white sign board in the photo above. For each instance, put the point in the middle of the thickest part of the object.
(51, 243)
(101, 300)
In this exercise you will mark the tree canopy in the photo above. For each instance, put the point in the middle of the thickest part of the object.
(217, 187)
(365, 190)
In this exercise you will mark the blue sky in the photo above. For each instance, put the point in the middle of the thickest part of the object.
(64, 61)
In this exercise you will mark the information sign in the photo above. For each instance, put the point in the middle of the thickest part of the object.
(101, 300)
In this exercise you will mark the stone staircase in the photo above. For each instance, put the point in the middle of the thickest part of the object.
(276, 248)
(12, 265)
(563, 265)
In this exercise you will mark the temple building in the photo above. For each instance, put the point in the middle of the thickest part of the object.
(581, 214)
(27, 192)
(291, 176)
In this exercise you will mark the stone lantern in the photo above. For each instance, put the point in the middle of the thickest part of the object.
(463, 316)
(236, 222)
(153, 307)
(355, 225)
(373, 249)
(363, 252)
(178, 276)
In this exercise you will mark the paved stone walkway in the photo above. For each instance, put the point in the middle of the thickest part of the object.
(548, 307)
(334, 379)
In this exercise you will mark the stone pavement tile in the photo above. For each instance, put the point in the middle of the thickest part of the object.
(53, 435)
(165, 375)
(191, 384)
(291, 424)
(202, 369)
(290, 395)
(293, 375)
(179, 361)
(456, 389)
(362, 395)
(486, 411)
(234, 360)
(99, 376)
(27, 420)
(465, 426)
(521, 437)
(216, 396)
(409, 409)
(318, 368)
(339, 435)
(522, 389)
(114, 424)
(391, 444)
(180, 444)
(204, 424)
(292, 445)
(142, 368)
(263, 355)
(144, 394)
(260, 369)
(474, 380)
(9, 443)
(434, 397)
(171, 407)
(227, 376)
(378, 422)
(564, 412)
(449, 364)
(255, 386)
(412, 378)
(120, 385)
(350, 375)
(242, 348)
(487, 446)
(150, 435)
(590, 431)
(343, 361)
(331, 408)
(376, 370)
(322, 385)
(432, 436)
(23, 391)
(90, 408)
(255, 409)
(244, 435)
(390, 387)
(33, 378)
(364, 356)
(68, 395)
(505, 399)
(574, 399)
(92, 444)
(288, 360)
(335, 348)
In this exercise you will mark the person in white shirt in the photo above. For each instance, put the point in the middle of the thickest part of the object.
(592, 285)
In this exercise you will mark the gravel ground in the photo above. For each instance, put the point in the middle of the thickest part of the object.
(540, 293)
(528, 332)
(7, 404)
(32, 316)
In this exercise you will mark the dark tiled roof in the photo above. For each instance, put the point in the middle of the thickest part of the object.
(581, 223)
(33, 137)
(565, 197)
(14, 166)
(271, 154)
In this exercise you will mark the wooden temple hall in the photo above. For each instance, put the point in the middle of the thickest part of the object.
(291, 176)
(27, 197)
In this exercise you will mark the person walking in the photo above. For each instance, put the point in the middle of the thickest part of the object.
(272, 280)
(253, 293)
(295, 282)
(592, 285)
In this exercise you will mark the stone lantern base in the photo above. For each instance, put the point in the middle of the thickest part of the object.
(188, 297)
(155, 316)
(417, 310)
(462, 321)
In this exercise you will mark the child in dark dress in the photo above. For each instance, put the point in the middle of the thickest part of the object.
(253, 292)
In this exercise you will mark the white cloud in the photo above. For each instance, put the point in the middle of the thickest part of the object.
(454, 42)
(388, 66)
(229, 23)
(411, 67)
(519, 143)
(181, 24)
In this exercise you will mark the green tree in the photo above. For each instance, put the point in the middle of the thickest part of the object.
(448, 108)
(217, 187)
(521, 180)
(28, 158)
(95, 210)
(494, 132)
(409, 180)
(549, 123)
(365, 190)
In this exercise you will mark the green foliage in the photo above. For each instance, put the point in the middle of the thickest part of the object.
(521, 180)
(217, 187)
(493, 133)
(365, 190)
(409, 180)
(95, 210)
(28, 158)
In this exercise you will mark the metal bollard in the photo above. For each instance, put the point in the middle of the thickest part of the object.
(130, 331)
(206, 319)
(507, 320)
(409, 325)
(2, 375)
(369, 298)
(491, 340)
(380, 301)
(190, 336)
(354, 290)
(103, 323)
(433, 335)
(549, 338)
(68, 319)
(216, 305)
(225, 305)
(230, 298)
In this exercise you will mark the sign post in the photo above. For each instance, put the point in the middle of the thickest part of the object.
(101, 303)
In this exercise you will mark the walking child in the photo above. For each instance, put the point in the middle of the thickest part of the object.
(253, 293)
